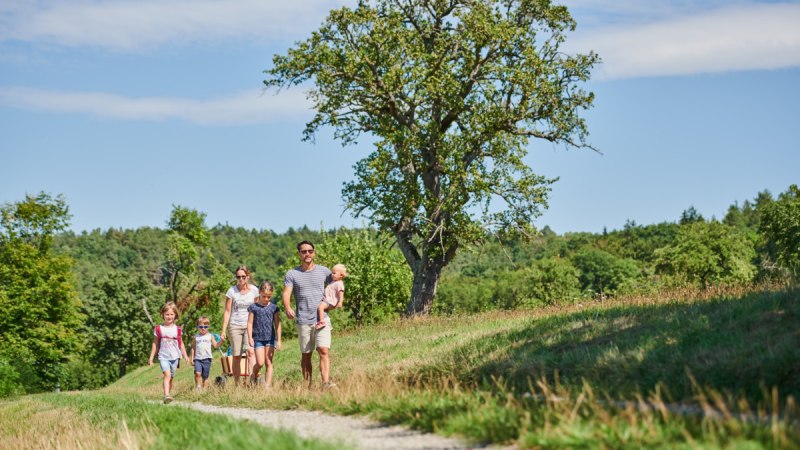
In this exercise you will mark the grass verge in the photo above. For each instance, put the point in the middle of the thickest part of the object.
(103, 420)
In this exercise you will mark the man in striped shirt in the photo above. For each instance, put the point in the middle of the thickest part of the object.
(307, 283)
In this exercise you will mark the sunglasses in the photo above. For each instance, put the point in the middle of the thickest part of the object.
(202, 326)
(307, 251)
(241, 277)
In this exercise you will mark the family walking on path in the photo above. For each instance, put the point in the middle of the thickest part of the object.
(252, 324)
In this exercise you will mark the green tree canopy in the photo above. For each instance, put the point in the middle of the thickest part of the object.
(602, 272)
(708, 252)
(452, 91)
(38, 298)
(780, 224)
(194, 278)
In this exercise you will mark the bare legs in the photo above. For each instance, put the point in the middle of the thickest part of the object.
(167, 383)
(324, 364)
(263, 359)
(305, 367)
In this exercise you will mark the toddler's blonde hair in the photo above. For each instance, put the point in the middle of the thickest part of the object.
(341, 267)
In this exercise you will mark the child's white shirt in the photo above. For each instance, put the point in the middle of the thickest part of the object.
(168, 347)
(202, 349)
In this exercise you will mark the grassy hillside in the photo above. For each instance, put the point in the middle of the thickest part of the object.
(710, 369)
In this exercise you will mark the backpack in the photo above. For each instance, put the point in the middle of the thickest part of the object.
(159, 336)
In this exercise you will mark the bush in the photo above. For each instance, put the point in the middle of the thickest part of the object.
(708, 252)
(603, 273)
(553, 281)
(10, 384)
(79, 374)
(464, 294)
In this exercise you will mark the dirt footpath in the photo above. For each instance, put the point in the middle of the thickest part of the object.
(356, 431)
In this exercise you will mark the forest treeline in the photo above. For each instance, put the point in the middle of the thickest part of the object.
(76, 308)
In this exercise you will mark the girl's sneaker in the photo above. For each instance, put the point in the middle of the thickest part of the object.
(320, 325)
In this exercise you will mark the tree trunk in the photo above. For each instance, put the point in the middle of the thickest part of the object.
(423, 289)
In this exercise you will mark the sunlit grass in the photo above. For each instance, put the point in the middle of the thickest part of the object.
(715, 368)
(29, 422)
(107, 420)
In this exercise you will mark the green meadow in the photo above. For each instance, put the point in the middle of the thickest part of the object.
(716, 369)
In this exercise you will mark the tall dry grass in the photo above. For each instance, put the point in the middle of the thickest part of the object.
(32, 424)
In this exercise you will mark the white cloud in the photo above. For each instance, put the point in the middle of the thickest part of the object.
(250, 107)
(132, 25)
(744, 37)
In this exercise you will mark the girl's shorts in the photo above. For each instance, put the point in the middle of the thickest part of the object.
(269, 343)
(170, 365)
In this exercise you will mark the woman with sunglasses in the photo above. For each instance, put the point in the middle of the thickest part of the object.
(237, 299)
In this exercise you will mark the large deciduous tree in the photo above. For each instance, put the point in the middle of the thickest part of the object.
(451, 91)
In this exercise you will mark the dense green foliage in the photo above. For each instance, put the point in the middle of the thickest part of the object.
(708, 252)
(780, 225)
(192, 275)
(39, 302)
(452, 92)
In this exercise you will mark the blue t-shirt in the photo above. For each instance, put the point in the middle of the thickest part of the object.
(263, 317)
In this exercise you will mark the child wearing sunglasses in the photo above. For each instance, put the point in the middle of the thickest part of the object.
(201, 353)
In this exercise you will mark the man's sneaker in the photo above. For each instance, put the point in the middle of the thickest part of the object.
(167, 399)
(320, 325)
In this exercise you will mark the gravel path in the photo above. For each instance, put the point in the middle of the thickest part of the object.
(357, 431)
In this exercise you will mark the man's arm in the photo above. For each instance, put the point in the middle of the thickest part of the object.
(287, 301)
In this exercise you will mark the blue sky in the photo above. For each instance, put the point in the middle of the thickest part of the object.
(128, 107)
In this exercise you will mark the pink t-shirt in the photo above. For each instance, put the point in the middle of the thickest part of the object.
(331, 292)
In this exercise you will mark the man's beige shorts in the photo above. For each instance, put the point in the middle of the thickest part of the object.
(311, 338)
(238, 337)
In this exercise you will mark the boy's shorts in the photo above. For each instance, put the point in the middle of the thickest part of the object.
(170, 365)
(238, 339)
(269, 343)
(203, 367)
(311, 338)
